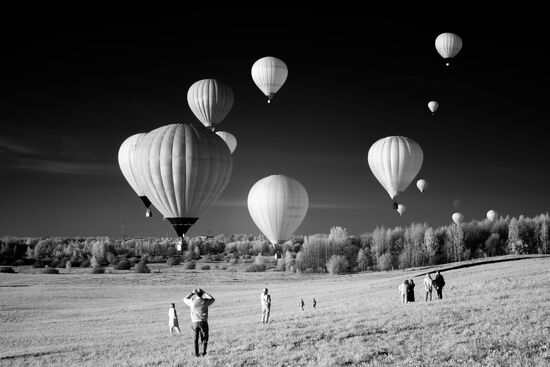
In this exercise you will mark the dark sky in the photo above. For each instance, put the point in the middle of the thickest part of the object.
(73, 87)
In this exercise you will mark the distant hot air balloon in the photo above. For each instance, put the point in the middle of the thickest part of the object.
(448, 45)
(269, 73)
(229, 139)
(210, 100)
(457, 218)
(401, 209)
(456, 203)
(126, 161)
(183, 169)
(395, 161)
(278, 204)
(422, 185)
(491, 215)
(433, 106)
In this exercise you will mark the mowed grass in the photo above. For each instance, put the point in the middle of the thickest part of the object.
(491, 315)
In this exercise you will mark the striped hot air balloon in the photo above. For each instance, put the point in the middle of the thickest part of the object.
(126, 161)
(278, 204)
(229, 139)
(269, 73)
(210, 100)
(448, 45)
(183, 169)
(395, 161)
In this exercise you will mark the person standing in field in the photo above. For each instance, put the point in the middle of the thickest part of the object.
(199, 301)
(68, 266)
(265, 299)
(173, 323)
(403, 289)
(314, 303)
(428, 284)
(410, 291)
(439, 283)
(301, 304)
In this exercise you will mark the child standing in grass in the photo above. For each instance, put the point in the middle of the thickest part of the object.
(173, 320)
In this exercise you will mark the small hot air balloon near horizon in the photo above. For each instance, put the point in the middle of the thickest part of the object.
(278, 204)
(269, 73)
(433, 106)
(126, 161)
(395, 161)
(183, 169)
(457, 218)
(448, 45)
(491, 215)
(210, 100)
(401, 209)
(229, 139)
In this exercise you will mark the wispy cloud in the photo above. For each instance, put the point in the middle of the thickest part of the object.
(49, 152)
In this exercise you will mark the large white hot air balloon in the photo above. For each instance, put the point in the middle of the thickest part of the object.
(401, 209)
(433, 106)
(448, 45)
(183, 169)
(278, 204)
(422, 185)
(457, 218)
(269, 73)
(210, 100)
(126, 161)
(229, 139)
(491, 215)
(395, 161)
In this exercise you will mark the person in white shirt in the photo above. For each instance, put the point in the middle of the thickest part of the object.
(265, 299)
(199, 301)
(173, 320)
(428, 286)
(403, 289)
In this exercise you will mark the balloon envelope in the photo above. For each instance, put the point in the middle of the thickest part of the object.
(210, 100)
(269, 73)
(457, 218)
(448, 45)
(229, 139)
(127, 161)
(491, 215)
(433, 106)
(183, 169)
(401, 209)
(395, 161)
(422, 185)
(278, 204)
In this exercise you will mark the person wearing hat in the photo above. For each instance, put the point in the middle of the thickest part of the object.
(199, 301)
(265, 299)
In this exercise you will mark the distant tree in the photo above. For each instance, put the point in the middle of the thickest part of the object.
(543, 238)
(430, 244)
(385, 262)
(363, 259)
(458, 240)
(29, 253)
(338, 234)
(337, 264)
(492, 244)
(515, 244)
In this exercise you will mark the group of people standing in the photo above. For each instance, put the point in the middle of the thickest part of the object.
(406, 289)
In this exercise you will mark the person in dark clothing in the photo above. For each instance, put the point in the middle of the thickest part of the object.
(410, 291)
(439, 283)
(199, 301)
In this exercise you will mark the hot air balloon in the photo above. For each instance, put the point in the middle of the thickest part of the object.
(457, 218)
(126, 161)
(433, 106)
(456, 203)
(395, 161)
(491, 215)
(183, 169)
(448, 45)
(277, 204)
(229, 139)
(269, 73)
(422, 185)
(210, 100)
(401, 209)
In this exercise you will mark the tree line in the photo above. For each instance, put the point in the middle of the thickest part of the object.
(336, 252)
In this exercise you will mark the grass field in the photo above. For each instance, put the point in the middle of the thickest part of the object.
(491, 315)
